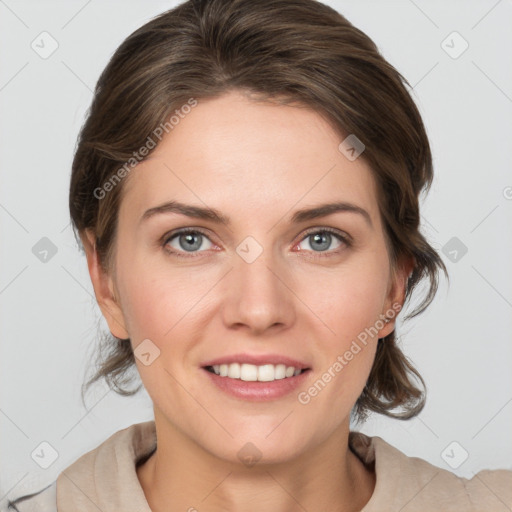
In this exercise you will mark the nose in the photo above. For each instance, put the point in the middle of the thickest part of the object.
(258, 295)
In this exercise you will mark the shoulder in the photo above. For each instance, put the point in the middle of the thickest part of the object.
(44, 500)
(106, 474)
(412, 484)
(105, 478)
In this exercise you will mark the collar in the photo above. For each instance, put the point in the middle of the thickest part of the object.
(95, 480)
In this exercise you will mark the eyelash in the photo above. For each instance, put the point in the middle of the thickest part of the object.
(317, 254)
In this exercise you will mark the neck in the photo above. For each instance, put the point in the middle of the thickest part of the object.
(181, 475)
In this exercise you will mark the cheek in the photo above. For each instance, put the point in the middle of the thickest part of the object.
(156, 295)
(159, 306)
(351, 310)
(349, 300)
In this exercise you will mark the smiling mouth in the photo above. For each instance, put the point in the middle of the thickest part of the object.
(253, 373)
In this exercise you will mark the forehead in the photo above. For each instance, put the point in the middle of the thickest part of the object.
(245, 155)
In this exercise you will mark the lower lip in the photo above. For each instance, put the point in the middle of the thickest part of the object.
(257, 391)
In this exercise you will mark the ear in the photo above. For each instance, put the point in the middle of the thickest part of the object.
(396, 295)
(103, 285)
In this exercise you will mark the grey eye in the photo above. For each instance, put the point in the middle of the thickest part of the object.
(320, 241)
(189, 241)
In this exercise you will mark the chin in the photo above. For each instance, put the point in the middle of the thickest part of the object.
(258, 448)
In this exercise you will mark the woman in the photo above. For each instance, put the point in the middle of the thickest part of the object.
(227, 139)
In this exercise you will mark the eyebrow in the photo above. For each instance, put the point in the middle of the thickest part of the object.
(214, 215)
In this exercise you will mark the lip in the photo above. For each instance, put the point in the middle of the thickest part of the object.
(256, 391)
(258, 360)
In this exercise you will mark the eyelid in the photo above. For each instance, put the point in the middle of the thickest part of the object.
(167, 237)
(342, 236)
(335, 231)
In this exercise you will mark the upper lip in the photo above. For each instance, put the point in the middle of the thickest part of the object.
(257, 359)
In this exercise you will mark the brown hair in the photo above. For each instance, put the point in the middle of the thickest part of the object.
(299, 51)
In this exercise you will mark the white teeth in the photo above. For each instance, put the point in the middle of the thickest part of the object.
(234, 371)
(266, 373)
(280, 371)
(252, 373)
(248, 372)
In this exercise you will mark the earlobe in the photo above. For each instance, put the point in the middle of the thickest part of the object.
(396, 296)
(104, 289)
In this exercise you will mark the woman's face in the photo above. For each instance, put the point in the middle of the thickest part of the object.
(265, 287)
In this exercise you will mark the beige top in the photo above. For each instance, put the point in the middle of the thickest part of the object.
(105, 479)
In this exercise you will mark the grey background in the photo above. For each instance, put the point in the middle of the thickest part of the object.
(49, 317)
